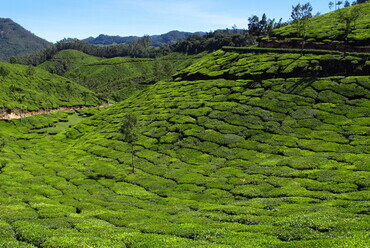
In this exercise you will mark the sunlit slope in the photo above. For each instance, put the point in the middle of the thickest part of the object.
(241, 63)
(330, 27)
(29, 88)
(269, 162)
(286, 158)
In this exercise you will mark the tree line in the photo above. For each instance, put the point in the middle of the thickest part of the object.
(139, 49)
(337, 4)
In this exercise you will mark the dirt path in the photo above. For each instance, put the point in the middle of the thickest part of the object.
(18, 114)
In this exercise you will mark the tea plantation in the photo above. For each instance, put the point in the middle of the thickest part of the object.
(115, 78)
(30, 89)
(240, 149)
(331, 28)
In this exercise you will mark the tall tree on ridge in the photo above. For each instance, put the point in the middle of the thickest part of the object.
(349, 16)
(301, 15)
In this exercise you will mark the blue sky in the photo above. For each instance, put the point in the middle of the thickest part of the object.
(54, 20)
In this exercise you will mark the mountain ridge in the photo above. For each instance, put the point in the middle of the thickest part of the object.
(15, 40)
(156, 40)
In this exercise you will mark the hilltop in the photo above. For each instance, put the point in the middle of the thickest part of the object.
(17, 41)
(328, 31)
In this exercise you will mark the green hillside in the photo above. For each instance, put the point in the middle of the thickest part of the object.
(244, 157)
(115, 78)
(30, 88)
(16, 41)
(330, 28)
(67, 60)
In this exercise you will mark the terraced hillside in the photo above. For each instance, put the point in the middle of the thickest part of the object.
(276, 160)
(244, 63)
(28, 88)
(115, 78)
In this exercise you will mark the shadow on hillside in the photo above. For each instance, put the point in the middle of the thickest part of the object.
(300, 84)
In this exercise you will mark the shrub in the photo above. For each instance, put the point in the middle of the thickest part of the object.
(4, 71)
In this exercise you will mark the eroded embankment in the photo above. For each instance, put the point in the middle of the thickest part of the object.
(8, 114)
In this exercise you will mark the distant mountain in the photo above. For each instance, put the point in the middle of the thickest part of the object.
(15, 40)
(157, 40)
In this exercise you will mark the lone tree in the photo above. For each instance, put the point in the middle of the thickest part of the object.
(4, 71)
(129, 130)
(301, 15)
(349, 16)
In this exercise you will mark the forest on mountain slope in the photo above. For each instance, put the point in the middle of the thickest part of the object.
(155, 40)
(16, 41)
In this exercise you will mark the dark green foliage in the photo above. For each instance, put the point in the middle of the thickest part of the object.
(156, 40)
(138, 49)
(300, 16)
(4, 71)
(213, 41)
(263, 26)
(129, 130)
(2, 143)
(349, 17)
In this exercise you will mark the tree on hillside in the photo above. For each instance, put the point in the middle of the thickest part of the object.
(14, 60)
(300, 16)
(212, 41)
(331, 4)
(349, 16)
(263, 26)
(4, 71)
(30, 71)
(129, 130)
